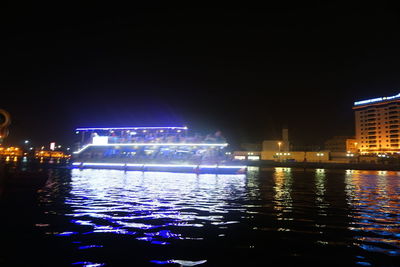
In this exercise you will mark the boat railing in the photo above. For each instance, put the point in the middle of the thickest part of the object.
(140, 140)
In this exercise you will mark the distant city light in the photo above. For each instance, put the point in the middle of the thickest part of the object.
(26, 141)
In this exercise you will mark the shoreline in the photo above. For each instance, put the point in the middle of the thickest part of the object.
(327, 165)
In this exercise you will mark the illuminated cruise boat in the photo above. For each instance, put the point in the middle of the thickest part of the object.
(153, 149)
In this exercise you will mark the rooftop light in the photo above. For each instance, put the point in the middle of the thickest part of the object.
(378, 99)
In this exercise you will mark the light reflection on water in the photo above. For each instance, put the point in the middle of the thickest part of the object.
(152, 206)
(375, 201)
(316, 215)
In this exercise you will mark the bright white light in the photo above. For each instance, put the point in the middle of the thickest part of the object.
(26, 141)
(158, 165)
(154, 144)
(100, 140)
(103, 164)
(80, 150)
(240, 157)
(253, 157)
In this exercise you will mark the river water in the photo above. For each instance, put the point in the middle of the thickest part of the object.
(269, 217)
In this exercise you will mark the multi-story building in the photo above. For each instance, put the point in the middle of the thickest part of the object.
(377, 125)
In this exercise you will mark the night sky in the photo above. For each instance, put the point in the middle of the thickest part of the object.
(246, 72)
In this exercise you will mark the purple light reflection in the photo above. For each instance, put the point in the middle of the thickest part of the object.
(153, 207)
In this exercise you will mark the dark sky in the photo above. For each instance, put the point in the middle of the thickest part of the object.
(247, 72)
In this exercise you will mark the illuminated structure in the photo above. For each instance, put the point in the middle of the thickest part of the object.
(377, 125)
(152, 148)
(5, 120)
(50, 154)
(11, 151)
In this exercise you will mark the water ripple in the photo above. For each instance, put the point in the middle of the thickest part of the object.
(282, 213)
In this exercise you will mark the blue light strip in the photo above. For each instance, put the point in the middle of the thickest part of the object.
(153, 144)
(131, 128)
(157, 165)
(374, 100)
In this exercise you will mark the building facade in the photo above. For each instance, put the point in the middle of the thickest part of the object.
(377, 125)
(296, 156)
(338, 143)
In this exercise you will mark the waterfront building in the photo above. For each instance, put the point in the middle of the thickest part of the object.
(296, 156)
(377, 125)
(338, 143)
(10, 151)
(51, 154)
(277, 145)
(247, 155)
(280, 151)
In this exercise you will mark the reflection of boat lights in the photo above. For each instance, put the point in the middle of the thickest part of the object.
(152, 207)
(153, 144)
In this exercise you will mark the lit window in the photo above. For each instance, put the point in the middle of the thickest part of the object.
(253, 157)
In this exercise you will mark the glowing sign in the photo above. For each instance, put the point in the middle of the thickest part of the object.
(378, 99)
(153, 144)
(52, 145)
